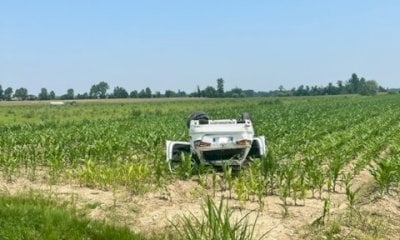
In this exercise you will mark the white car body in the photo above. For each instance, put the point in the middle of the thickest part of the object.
(219, 142)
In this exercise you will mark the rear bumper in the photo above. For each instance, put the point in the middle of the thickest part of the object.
(232, 156)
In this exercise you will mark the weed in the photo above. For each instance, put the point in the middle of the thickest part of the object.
(216, 224)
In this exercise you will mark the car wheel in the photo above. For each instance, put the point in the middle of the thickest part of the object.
(246, 116)
(197, 115)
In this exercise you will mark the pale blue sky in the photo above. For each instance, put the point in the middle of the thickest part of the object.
(181, 44)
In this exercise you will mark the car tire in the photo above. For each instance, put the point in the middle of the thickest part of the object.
(197, 115)
(246, 116)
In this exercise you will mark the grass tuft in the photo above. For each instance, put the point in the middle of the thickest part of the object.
(217, 223)
(33, 216)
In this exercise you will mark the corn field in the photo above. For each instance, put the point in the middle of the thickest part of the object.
(315, 144)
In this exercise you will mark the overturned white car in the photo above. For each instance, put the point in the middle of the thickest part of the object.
(222, 142)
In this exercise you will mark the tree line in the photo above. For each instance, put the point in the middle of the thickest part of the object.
(354, 85)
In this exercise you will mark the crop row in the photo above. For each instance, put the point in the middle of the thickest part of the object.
(314, 143)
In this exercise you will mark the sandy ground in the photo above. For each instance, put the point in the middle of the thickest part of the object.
(155, 211)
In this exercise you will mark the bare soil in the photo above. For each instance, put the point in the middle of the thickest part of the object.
(156, 211)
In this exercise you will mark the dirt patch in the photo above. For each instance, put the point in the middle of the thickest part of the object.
(154, 211)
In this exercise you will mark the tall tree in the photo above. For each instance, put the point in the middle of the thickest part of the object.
(220, 86)
(148, 92)
(169, 93)
(82, 96)
(362, 81)
(120, 92)
(353, 85)
(21, 93)
(370, 87)
(8, 94)
(341, 89)
(102, 88)
(133, 94)
(52, 95)
(94, 93)
(210, 92)
(70, 93)
(249, 93)
(332, 90)
(198, 91)
(315, 90)
(44, 95)
(99, 90)
(301, 91)
(142, 94)
(237, 92)
(181, 93)
(1, 93)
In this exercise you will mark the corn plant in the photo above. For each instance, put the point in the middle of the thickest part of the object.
(214, 182)
(317, 180)
(347, 178)
(285, 209)
(268, 168)
(385, 174)
(351, 201)
(9, 166)
(335, 167)
(325, 213)
(103, 145)
(299, 189)
(184, 171)
(228, 178)
(241, 189)
(256, 183)
(287, 176)
(86, 175)
(160, 168)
